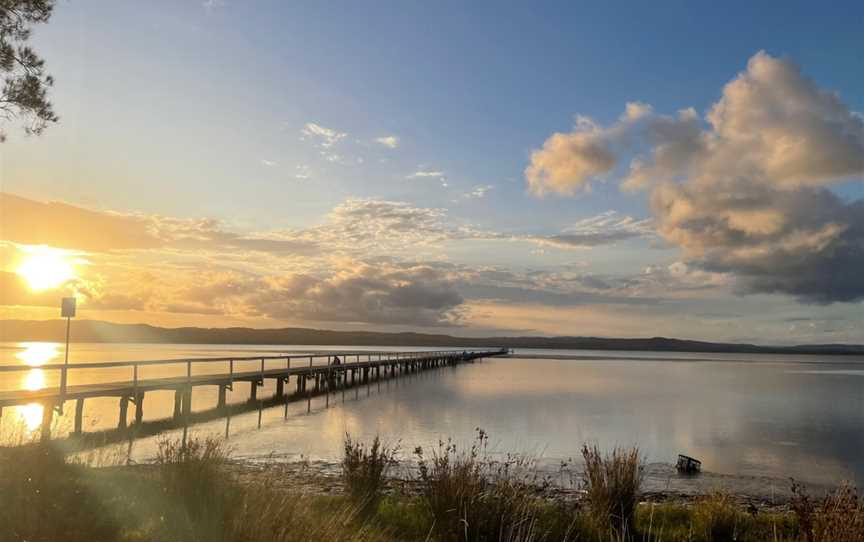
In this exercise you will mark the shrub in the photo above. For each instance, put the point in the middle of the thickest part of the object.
(470, 496)
(198, 496)
(613, 483)
(837, 517)
(44, 498)
(364, 471)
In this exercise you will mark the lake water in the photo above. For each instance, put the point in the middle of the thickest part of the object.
(760, 416)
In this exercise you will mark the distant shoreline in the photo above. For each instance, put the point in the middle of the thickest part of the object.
(94, 331)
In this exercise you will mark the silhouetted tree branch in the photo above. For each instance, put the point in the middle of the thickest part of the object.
(24, 94)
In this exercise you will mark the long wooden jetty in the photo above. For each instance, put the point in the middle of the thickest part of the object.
(313, 373)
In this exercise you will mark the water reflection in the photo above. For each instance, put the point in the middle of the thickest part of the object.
(35, 380)
(34, 354)
(30, 416)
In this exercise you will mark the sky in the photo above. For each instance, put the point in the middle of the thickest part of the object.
(680, 169)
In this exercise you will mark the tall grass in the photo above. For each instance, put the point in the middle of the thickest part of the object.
(716, 517)
(44, 498)
(199, 498)
(612, 483)
(465, 494)
(471, 496)
(364, 471)
(836, 517)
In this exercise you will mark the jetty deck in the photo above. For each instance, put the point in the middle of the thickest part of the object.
(312, 373)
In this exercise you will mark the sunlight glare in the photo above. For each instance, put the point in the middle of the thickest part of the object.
(31, 415)
(35, 380)
(36, 354)
(45, 268)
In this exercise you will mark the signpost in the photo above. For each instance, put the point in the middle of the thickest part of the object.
(67, 311)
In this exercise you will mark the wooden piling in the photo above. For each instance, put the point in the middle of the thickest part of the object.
(220, 403)
(79, 416)
(124, 409)
(139, 408)
(47, 420)
(178, 404)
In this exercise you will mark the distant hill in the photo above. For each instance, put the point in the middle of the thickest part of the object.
(107, 332)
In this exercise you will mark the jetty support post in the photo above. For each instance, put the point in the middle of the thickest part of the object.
(79, 416)
(47, 420)
(178, 404)
(220, 403)
(124, 409)
(139, 408)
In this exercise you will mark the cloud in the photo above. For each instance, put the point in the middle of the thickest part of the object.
(14, 291)
(211, 5)
(568, 162)
(269, 163)
(743, 191)
(301, 173)
(62, 225)
(362, 224)
(603, 229)
(419, 174)
(360, 293)
(478, 192)
(324, 137)
(363, 264)
(390, 141)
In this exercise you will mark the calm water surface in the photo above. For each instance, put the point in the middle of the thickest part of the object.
(745, 415)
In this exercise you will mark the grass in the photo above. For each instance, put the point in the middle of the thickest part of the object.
(612, 483)
(462, 494)
(469, 495)
(836, 517)
(364, 471)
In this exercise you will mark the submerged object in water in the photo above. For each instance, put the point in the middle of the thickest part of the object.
(688, 465)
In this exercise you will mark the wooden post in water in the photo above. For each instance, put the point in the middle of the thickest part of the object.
(47, 419)
(79, 416)
(220, 403)
(139, 408)
(178, 404)
(124, 409)
(260, 402)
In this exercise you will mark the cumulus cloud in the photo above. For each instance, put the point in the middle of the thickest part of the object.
(390, 141)
(568, 162)
(744, 190)
(360, 293)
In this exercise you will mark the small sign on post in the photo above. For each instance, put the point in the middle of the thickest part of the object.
(67, 307)
(67, 311)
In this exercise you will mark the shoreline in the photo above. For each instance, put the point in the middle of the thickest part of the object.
(324, 478)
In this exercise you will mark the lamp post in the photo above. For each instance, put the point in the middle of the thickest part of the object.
(67, 311)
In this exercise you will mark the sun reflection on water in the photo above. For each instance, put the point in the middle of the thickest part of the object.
(35, 380)
(31, 416)
(34, 354)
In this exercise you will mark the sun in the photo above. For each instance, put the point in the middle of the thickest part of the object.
(45, 268)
